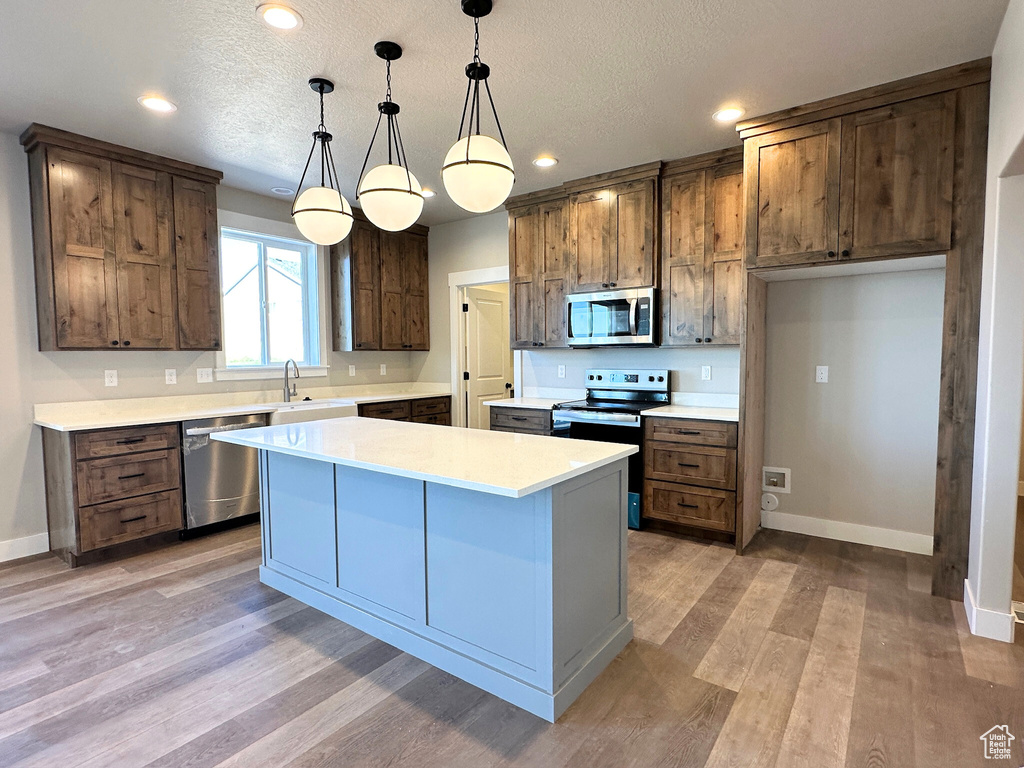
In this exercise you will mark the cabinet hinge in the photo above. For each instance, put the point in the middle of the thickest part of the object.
(465, 307)
(465, 375)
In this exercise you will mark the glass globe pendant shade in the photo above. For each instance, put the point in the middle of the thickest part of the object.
(322, 215)
(478, 173)
(391, 197)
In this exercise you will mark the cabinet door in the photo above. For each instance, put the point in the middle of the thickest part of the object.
(682, 269)
(364, 245)
(723, 252)
(591, 227)
(145, 258)
(897, 179)
(524, 250)
(416, 332)
(392, 291)
(81, 202)
(631, 262)
(197, 260)
(793, 195)
(552, 276)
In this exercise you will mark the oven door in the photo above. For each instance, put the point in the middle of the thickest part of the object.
(610, 318)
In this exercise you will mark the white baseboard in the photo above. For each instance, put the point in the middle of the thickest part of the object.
(983, 622)
(12, 549)
(855, 533)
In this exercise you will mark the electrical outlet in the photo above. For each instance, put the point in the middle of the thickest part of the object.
(351, 370)
(110, 378)
(383, 369)
(170, 376)
(705, 373)
(821, 374)
(561, 371)
(204, 375)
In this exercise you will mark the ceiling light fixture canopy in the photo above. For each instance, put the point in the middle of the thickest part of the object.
(478, 172)
(322, 213)
(389, 194)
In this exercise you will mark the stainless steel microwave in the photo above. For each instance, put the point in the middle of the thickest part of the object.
(610, 318)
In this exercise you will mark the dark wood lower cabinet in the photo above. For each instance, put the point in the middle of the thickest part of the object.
(425, 410)
(109, 487)
(527, 421)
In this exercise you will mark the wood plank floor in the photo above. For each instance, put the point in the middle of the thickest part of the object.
(807, 652)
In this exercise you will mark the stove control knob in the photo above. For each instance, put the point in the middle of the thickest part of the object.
(599, 377)
(650, 378)
(661, 378)
(591, 377)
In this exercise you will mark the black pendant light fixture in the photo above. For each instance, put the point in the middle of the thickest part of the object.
(322, 213)
(389, 194)
(477, 171)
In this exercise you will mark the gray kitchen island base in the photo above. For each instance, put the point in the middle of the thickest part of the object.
(524, 597)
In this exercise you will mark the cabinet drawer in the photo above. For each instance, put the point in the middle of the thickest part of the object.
(444, 419)
(115, 442)
(521, 419)
(105, 524)
(431, 406)
(398, 409)
(688, 505)
(719, 433)
(706, 466)
(121, 477)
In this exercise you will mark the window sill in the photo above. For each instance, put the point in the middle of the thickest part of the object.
(269, 372)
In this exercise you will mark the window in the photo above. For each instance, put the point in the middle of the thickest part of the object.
(269, 287)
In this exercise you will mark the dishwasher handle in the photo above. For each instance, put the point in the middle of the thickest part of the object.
(198, 431)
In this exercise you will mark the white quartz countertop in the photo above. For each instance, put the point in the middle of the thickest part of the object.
(103, 414)
(543, 403)
(501, 463)
(694, 412)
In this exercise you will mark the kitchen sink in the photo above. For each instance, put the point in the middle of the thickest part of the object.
(312, 410)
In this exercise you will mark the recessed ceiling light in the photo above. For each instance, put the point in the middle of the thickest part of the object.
(545, 161)
(157, 103)
(279, 16)
(282, 191)
(728, 114)
(427, 192)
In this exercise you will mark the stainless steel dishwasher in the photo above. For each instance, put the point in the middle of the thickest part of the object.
(222, 481)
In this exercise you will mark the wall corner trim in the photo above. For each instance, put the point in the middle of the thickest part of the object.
(983, 622)
(13, 549)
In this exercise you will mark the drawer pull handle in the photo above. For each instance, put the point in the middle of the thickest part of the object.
(518, 418)
(132, 477)
(134, 519)
(692, 466)
(687, 432)
(131, 441)
(687, 506)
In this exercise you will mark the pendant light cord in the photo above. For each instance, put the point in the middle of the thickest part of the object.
(395, 145)
(472, 104)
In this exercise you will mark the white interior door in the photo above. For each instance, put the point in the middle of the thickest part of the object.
(488, 356)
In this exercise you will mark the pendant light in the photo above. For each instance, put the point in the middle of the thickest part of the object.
(477, 171)
(389, 194)
(322, 213)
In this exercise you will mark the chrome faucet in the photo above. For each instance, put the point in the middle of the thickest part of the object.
(293, 390)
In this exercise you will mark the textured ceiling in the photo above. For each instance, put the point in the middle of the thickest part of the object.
(599, 84)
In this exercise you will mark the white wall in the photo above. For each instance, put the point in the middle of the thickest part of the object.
(1001, 345)
(30, 376)
(862, 448)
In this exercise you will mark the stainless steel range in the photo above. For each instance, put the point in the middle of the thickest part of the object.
(616, 399)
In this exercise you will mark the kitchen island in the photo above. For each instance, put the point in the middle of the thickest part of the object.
(499, 558)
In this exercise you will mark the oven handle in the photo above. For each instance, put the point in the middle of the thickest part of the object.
(634, 315)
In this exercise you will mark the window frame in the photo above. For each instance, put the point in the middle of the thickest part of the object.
(316, 310)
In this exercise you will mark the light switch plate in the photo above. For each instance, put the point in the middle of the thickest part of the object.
(561, 371)
(204, 375)
(110, 378)
(383, 369)
(351, 370)
(821, 374)
(705, 373)
(170, 376)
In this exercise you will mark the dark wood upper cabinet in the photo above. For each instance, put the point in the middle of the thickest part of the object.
(379, 289)
(792, 204)
(197, 254)
(612, 230)
(896, 187)
(538, 270)
(702, 250)
(124, 258)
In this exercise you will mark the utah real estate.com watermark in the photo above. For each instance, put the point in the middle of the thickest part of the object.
(998, 741)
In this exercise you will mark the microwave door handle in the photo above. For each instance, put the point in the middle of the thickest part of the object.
(634, 315)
